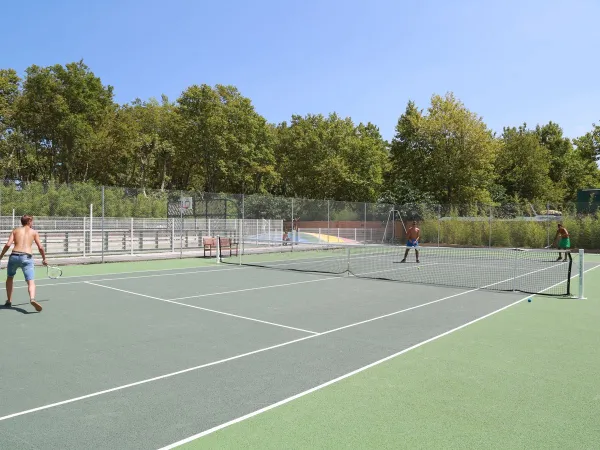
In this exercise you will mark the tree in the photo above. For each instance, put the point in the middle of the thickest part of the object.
(331, 158)
(551, 137)
(60, 110)
(523, 164)
(10, 148)
(588, 145)
(405, 181)
(224, 145)
(448, 153)
(9, 92)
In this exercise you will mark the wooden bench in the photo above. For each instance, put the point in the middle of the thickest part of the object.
(228, 244)
(209, 243)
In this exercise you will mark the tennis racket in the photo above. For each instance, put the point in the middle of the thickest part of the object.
(53, 272)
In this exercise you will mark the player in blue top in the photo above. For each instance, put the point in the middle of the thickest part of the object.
(413, 234)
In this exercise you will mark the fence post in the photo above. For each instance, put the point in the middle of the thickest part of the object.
(439, 224)
(13, 219)
(172, 236)
(102, 225)
(365, 227)
(131, 234)
(181, 227)
(91, 226)
(548, 224)
(490, 236)
(84, 241)
(293, 232)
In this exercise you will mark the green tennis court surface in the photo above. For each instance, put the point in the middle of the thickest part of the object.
(145, 355)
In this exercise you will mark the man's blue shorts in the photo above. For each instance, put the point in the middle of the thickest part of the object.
(412, 243)
(21, 261)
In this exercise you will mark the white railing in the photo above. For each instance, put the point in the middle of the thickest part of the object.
(82, 236)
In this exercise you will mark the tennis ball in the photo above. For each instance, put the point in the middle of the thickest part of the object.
(529, 300)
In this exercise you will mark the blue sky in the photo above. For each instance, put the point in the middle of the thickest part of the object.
(509, 61)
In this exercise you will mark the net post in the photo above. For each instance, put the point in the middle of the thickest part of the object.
(348, 261)
(218, 249)
(581, 274)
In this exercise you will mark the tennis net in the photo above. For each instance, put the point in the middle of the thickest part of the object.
(497, 269)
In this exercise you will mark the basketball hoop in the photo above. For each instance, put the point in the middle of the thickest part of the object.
(185, 204)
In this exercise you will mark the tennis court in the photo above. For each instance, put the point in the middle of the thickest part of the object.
(151, 354)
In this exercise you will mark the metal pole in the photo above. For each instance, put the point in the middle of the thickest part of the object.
(181, 225)
(547, 224)
(293, 231)
(131, 235)
(439, 224)
(490, 236)
(13, 219)
(102, 226)
(91, 225)
(84, 243)
(242, 229)
(365, 227)
(581, 273)
(328, 224)
(172, 235)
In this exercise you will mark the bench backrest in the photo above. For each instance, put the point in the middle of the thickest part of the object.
(209, 241)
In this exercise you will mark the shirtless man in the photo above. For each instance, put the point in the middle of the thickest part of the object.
(22, 258)
(565, 240)
(413, 234)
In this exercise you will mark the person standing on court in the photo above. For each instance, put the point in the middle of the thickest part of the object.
(565, 240)
(22, 258)
(413, 234)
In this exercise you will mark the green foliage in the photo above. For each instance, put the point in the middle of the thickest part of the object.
(61, 200)
(60, 125)
(60, 110)
(321, 157)
(224, 145)
(523, 164)
(448, 153)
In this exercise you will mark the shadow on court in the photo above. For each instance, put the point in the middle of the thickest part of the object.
(15, 307)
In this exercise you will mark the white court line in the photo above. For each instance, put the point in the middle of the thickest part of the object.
(210, 294)
(132, 278)
(203, 309)
(347, 375)
(283, 344)
(232, 358)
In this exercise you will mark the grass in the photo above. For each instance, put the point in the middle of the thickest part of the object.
(526, 378)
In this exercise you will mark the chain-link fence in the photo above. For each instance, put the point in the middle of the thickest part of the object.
(94, 223)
